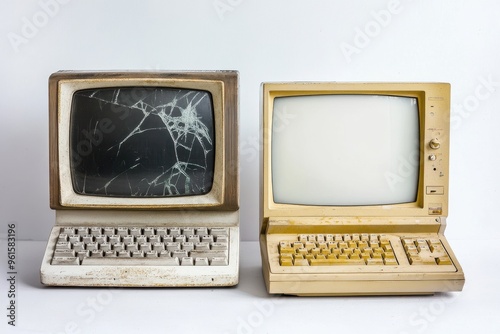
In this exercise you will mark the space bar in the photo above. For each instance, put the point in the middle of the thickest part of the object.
(130, 261)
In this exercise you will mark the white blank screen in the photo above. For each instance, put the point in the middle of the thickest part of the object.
(345, 150)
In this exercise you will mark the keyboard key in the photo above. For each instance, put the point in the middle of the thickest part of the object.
(216, 231)
(82, 254)
(167, 238)
(109, 231)
(86, 238)
(128, 239)
(219, 246)
(110, 253)
(82, 230)
(105, 246)
(180, 238)
(63, 245)
(158, 246)
(164, 253)
(187, 261)
(123, 253)
(201, 231)
(75, 238)
(135, 231)
(68, 230)
(202, 246)
(175, 231)
(122, 231)
(329, 262)
(193, 238)
(207, 238)
(201, 261)
(218, 261)
(188, 231)
(79, 246)
(151, 253)
(137, 261)
(148, 231)
(172, 246)
(207, 253)
(64, 253)
(286, 261)
(161, 231)
(65, 261)
(114, 238)
(119, 246)
(141, 239)
(154, 238)
(132, 247)
(96, 253)
(375, 261)
(443, 260)
(300, 262)
(179, 253)
(100, 238)
(95, 230)
(137, 254)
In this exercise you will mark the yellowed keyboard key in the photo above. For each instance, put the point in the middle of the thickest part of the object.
(300, 262)
(302, 251)
(287, 249)
(443, 260)
(286, 261)
(375, 261)
(390, 262)
(333, 262)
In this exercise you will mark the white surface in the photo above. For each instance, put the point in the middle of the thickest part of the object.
(340, 150)
(247, 308)
(283, 40)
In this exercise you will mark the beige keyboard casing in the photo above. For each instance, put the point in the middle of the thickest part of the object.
(403, 279)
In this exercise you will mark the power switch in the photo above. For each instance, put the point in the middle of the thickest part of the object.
(435, 190)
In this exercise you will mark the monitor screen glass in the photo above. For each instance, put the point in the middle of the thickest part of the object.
(142, 142)
(345, 150)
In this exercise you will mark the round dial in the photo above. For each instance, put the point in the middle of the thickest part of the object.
(434, 144)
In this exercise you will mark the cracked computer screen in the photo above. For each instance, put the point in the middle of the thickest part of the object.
(142, 142)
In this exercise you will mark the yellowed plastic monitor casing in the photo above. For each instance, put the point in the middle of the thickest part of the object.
(426, 215)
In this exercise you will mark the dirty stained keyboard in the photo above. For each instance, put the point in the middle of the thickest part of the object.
(147, 246)
(360, 249)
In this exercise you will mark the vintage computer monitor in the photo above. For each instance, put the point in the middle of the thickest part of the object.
(144, 179)
(354, 189)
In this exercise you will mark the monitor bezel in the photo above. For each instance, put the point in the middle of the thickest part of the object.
(434, 110)
(222, 85)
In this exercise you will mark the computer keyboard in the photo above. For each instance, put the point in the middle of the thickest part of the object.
(361, 250)
(147, 246)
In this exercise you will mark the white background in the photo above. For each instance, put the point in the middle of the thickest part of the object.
(450, 41)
